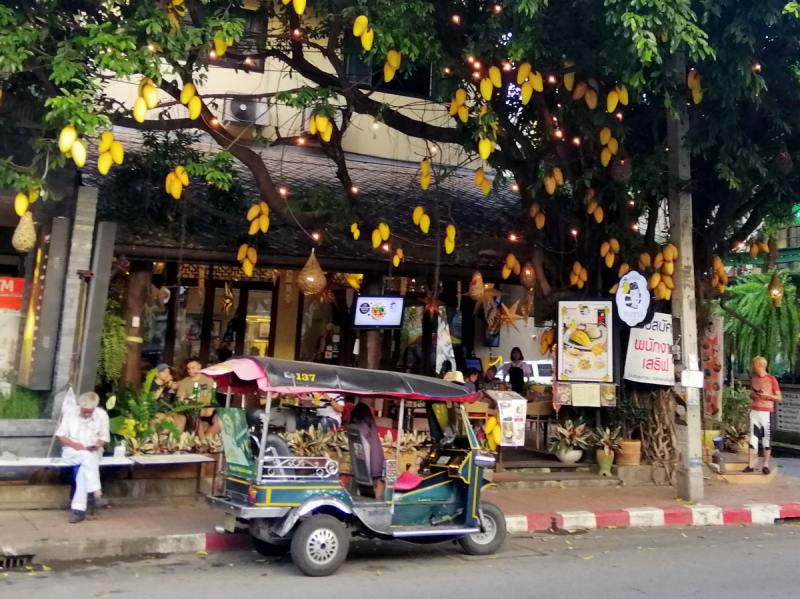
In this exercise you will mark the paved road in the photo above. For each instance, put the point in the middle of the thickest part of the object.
(707, 563)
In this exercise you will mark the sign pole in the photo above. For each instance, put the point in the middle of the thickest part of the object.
(684, 303)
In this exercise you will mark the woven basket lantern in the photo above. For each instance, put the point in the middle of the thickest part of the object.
(783, 161)
(312, 279)
(24, 237)
(621, 170)
(527, 276)
(526, 304)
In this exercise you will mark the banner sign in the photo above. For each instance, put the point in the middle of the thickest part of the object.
(236, 443)
(649, 358)
(11, 293)
(713, 374)
(511, 411)
(585, 351)
(632, 298)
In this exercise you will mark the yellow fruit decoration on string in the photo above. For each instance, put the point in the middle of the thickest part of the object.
(383, 229)
(449, 245)
(399, 253)
(624, 269)
(661, 290)
(463, 114)
(366, 39)
(353, 227)
(583, 275)
(609, 258)
(614, 245)
(668, 281)
(104, 163)
(496, 76)
(21, 204)
(511, 260)
(263, 223)
(453, 108)
(654, 280)
(252, 255)
(326, 135)
(247, 267)
(539, 220)
(425, 181)
(613, 146)
(253, 212)
(558, 176)
(396, 260)
(425, 223)
(579, 91)
(506, 272)
(106, 139)
(242, 253)
(622, 94)
(486, 88)
(534, 210)
(590, 97)
(376, 238)
(486, 187)
(526, 92)
(168, 181)
(425, 167)
(461, 96)
(605, 247)
(139, 110)
(356, 234)
(312, 126)
(450, 232)
(598, 215)
(605, 156)
(550, 185)
(117, 152)
(388, 72)
(176, 188)
(479, 176)
(644, 259)
(536, 82)
(485, 147)
(66, 138)
(673, 251)
(490, 424)
(219, 45)
(605, 135)
(299, 6)
(195, 107)
(658, 261)
(264, 208)
(150, 96)
(360, 25)
(697, 96)
(187, 93)
(612, 100)
(523, 72)
(79, 153)
(591, 208)
(254, 227)
(613, 290)
(417, 215)
(394, 58)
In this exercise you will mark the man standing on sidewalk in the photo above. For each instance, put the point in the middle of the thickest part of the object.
(82, 433)
(764, 392)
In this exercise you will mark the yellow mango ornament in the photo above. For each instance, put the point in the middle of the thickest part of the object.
(360, 25)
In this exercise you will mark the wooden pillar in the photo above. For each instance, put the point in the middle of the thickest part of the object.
(169, 335)
(136, 292)
(241, 323)
(208, 320)
(369, 353)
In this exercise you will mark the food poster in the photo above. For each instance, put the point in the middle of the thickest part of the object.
(236, 442)
(713, 373)
(511, 412)
(585, 342)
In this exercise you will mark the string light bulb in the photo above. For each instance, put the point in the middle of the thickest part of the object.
(470, 59)
(551, 79)
(558, 133)
(507, 66)
(151, 47)
(635, 226)
(283, 191)
(757, 67)
(619, 116)
(574, 232)
(514, 187)
(212, 55)
(497, 9)
(447, 70)
(513, 237)
(315, 236)
(301, 141)
(375, 125)
(354, 189)
(576, 141)
(476, 65)
(248, 60)
(214, 122)
(476, 75)
(297, 33)
(385, 247)
(631, 203)
(456, 19)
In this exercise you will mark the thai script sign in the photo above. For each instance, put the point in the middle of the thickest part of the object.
(649, 358)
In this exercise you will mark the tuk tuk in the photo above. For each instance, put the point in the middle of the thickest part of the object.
(299, 504)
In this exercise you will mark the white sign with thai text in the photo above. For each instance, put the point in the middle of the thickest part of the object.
(649, 358)
(788, 412)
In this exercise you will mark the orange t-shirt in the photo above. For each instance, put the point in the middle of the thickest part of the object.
(765, 384)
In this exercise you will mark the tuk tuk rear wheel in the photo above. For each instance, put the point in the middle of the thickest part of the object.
(488, 542)
(320, 545)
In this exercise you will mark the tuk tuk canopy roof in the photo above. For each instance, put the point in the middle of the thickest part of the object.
(270, 375)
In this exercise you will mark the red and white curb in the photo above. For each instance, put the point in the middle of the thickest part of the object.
(646, 517)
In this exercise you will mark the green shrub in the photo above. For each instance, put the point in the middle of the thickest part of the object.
(20, 403)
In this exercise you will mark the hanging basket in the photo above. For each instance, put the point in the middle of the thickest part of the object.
(24, 237)
(783, 161)
(312, 279)
(527, 276)
(476, 287)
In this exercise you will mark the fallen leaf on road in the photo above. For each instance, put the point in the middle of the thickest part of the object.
(45, 568)
(568, 542)
(611, 527)
(570, 531)
(606, 552)
(651, 548)
(202, 553)
(29, 568)
(684, 535)
(768, 534)
(638, 548)
(588, 557)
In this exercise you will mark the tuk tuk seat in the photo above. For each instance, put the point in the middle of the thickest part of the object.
(359, 461)
(407, 482)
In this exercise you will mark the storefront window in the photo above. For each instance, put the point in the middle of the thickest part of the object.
(259, 323)
(224, 324)
(188, 323)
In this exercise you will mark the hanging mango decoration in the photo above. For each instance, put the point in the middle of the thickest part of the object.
(569, 77)
(367, 39)
(383, 229)
(485, 148)
(391, 65)
(592, 207)
(695, 84)
(299, 6)
(72, 147)
(537, 214)
(398, 256)
(376, 238)
(188, 92)
(221, 44)
(546, 341)
(719, 278)
(578, 275)
(417, 214)
(612, 100)
(579, 91)
(248, 257)
(425, 174)
(422, 220)
(457, 107)
(355, 231)
(176, 181)
(450, 239)
(590, 97)
(622, 94)
(511, 265)
(21, 204)
(321, 124)
(608, 251)
(360, 25)
(758, 247)
(660, 282)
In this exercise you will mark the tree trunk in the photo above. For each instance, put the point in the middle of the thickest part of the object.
(136, 292)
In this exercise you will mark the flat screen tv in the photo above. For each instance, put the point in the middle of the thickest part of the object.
(378, 312)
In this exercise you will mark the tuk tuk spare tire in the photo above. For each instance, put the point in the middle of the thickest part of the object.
(486, 543)
(320, 545)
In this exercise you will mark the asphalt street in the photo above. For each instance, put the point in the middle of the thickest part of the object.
(707, 563)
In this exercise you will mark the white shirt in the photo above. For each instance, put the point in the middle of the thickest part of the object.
(327, 411)
(527, 371)
(86, 431)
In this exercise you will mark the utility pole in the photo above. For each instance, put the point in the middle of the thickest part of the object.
(684, 303)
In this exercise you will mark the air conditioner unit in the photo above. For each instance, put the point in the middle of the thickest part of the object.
(246, 113)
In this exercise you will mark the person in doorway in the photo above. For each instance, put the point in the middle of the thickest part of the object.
(471, 380)
(516, 371)
(364, 419)
(764, 391)
(197, 387)
(82, 432)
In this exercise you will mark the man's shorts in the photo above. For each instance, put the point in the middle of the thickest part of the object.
(759, 429)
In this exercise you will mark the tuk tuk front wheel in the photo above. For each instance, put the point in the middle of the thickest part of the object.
(320, 545)
(489, 541)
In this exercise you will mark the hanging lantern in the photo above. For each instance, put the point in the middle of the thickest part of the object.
(783, 161)
(24, 237)
(526, 304)
(621, 170)
(776, 290)
(527, 276)
(312, 279)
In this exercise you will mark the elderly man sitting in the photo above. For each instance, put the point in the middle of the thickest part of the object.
(82, 433)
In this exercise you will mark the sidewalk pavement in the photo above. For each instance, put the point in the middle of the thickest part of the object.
(188, 526)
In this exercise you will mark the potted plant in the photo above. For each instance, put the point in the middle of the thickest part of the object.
(735, 423)
(629, 416)
(569, 440)
(608, 442)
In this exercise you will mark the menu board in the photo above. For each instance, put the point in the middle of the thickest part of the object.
(788, 412)
(585, 341)
(511, 409)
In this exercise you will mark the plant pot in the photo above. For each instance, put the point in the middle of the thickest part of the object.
(570, 456)
(708, 438)
(742, 447)
(630, 454)
(605, 461)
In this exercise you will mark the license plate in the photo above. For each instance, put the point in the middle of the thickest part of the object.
(230, 523)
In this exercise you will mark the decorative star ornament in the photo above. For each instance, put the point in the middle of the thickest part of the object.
(432, 303)
(509, 316)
